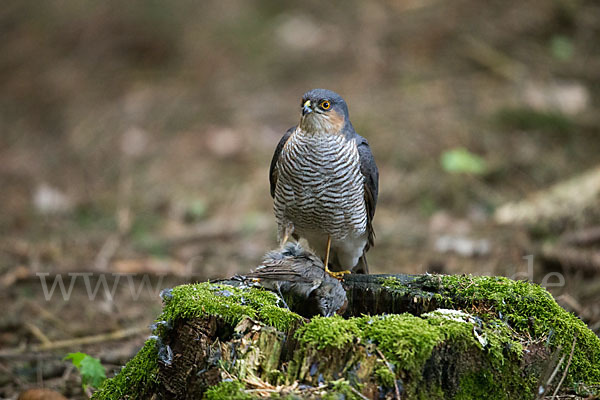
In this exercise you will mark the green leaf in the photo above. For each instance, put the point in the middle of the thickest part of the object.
(91, 370)
(460, 160)
(561, 47)
(197, 209)
(76, 358)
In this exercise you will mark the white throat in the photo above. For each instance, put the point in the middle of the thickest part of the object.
(318, 124)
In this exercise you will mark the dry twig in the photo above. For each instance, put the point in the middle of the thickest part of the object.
(573, 257)
(107, 252)
(582, 237)
(493, 59)
(543, 388)
(387, 364)
(359, 394)
(37, 332)
(564, 375)
(13, 275)
(105, 337)
(49, 316)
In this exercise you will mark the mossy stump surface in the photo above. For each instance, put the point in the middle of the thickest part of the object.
(414, 337)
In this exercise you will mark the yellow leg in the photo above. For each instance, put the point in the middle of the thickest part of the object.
(287, 232)
(285, 239)
(327, 254)
(337, 275)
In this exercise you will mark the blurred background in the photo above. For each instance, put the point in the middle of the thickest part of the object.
(136, 138)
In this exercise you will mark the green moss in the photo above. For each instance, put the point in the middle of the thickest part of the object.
(494, 336)
(391, 282)
(280, 318)
(409, 289)
(408, 341)
(341, 389)
(230, 303)
(500, 317)
(404, 339)
(135, 378)
(502, 384)
(228, 390)
(531, 311)
(385, 377)
(479, 385)
(278, 396)
(196, 301)
(329, 331)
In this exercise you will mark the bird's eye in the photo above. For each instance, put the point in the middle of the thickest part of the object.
(325, 105)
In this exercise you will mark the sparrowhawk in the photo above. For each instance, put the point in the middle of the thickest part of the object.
(324, 182)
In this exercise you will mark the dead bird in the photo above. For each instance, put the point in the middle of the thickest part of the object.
(299, 276)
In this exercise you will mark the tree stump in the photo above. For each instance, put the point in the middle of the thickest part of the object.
(409, 337)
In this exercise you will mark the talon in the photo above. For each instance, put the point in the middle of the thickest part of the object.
(339, 275)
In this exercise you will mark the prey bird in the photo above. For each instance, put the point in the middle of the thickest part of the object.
(299, 275)
(324, 183)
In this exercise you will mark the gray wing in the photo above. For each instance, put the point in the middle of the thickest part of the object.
(290, 271)
(273, 169)
(371, 174)
(279, 273)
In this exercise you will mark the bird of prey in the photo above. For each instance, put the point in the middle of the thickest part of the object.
(324, 183)
(299, 276)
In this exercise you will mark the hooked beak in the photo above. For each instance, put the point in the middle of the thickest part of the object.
(306, 108)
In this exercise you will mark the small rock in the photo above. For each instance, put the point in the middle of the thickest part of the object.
(441, 221)
(224, 142)
(298, 32)
(41, 394)
(134, 141)
(50, 200)
(464, 246)
(569, 98)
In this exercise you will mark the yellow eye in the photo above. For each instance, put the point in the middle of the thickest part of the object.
(325, 105)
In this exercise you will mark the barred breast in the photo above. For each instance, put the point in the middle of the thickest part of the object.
(320, 188)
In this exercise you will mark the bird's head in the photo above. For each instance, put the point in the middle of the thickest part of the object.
(323, 111)
(331, 298)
